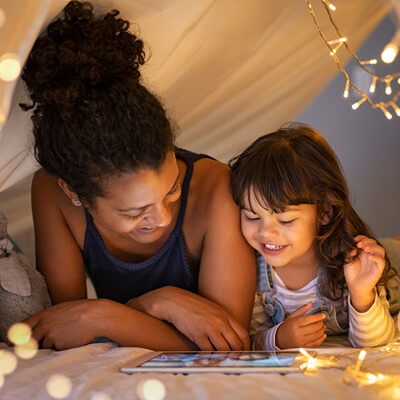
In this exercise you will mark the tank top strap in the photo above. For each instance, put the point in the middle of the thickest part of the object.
(189, 158)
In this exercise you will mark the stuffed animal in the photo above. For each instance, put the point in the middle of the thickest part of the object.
(23, 290)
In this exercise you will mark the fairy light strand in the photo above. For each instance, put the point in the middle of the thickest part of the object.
(335, 44)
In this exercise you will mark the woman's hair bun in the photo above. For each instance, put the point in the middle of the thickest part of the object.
(78, 53)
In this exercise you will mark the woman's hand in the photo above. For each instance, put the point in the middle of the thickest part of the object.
(205, 323)
(69, 324)
(300, 330)
(364, 272)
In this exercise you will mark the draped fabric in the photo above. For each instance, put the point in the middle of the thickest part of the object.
(227, 70)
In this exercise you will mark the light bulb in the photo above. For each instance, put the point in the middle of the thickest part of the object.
(10, 67)
(346, 90)
(358, 103)
(388, 89)
(373, 85)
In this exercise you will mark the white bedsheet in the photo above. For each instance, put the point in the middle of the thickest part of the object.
(94, 369)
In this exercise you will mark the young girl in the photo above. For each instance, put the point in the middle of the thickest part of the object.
(320, 271)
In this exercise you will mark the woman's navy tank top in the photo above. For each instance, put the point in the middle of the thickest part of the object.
(120, 281)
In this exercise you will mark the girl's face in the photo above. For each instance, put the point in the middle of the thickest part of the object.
(140, 204)
(284, 239)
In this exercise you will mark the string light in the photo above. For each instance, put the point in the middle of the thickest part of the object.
(373, 85)
(10, 67)
(58, 386)
(346, 89)
(151, 389)
(19, 333)
(8, 362)
(329, 4)
(395, 108)
(358, 103)
(391, 50)
(313, 363)
(342, 41)
(369, 62)
(388, 115)
(388, 89)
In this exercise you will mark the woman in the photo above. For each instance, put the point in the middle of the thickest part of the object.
(154, 226)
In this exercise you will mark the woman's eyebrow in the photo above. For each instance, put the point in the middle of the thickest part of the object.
(147, 205)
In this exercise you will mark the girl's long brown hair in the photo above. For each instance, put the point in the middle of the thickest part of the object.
(295, 165)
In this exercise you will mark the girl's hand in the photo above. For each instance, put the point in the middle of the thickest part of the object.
(202, 321)
(69, 324)
(300, 330)
(364, 272)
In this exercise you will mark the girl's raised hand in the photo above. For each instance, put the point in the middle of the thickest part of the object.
(364, 272)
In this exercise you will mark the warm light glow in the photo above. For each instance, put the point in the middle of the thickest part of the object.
(389, 53)
(2, 17)
(28, 350)
(19, 333)
(340, 40)
(370, 62)
(358, 103)
(8, 362)
(100, 396)
(151, 389)
(388, 89)
(329, 4)
(334, 51)
(10, 67)
(373, 85)
(346, 89)
(58, 386)
(395, 108)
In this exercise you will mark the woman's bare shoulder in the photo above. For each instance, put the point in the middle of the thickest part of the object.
(48, 198)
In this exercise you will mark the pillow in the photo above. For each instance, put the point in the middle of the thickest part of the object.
(23, 290)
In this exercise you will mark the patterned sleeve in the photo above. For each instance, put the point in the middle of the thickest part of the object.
(262, 329)
(374, 327)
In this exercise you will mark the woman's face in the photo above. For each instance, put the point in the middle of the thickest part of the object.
(140, 204)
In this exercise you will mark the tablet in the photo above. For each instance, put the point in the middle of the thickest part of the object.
(231, 362)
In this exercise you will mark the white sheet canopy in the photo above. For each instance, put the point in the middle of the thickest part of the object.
(227, 70)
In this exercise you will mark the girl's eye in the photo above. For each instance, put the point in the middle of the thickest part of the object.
(251, 219)
(287, 222)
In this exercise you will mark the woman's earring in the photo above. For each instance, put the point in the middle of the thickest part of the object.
(76, 203)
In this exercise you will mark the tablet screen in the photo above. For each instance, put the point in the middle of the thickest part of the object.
(222, 359)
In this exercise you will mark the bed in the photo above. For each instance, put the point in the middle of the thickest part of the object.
(93, 373)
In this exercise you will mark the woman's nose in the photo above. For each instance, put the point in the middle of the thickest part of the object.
(162, 215)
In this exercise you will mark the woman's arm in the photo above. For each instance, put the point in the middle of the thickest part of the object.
(227, 273)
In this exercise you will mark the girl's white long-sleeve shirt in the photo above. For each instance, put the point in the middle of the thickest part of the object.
(374, 327)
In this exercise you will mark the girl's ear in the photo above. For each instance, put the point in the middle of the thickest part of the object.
(327, 213)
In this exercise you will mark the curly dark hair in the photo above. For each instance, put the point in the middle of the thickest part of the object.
(92, 117)
(295, 165)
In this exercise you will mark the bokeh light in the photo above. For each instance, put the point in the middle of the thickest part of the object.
(58, 386)
(100, 396)
(19, 333)
(10, 67)
(151, 389)
(8, 362)
(2, 17)
(27, 350)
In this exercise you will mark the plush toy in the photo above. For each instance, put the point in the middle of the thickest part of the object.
(23, 290)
